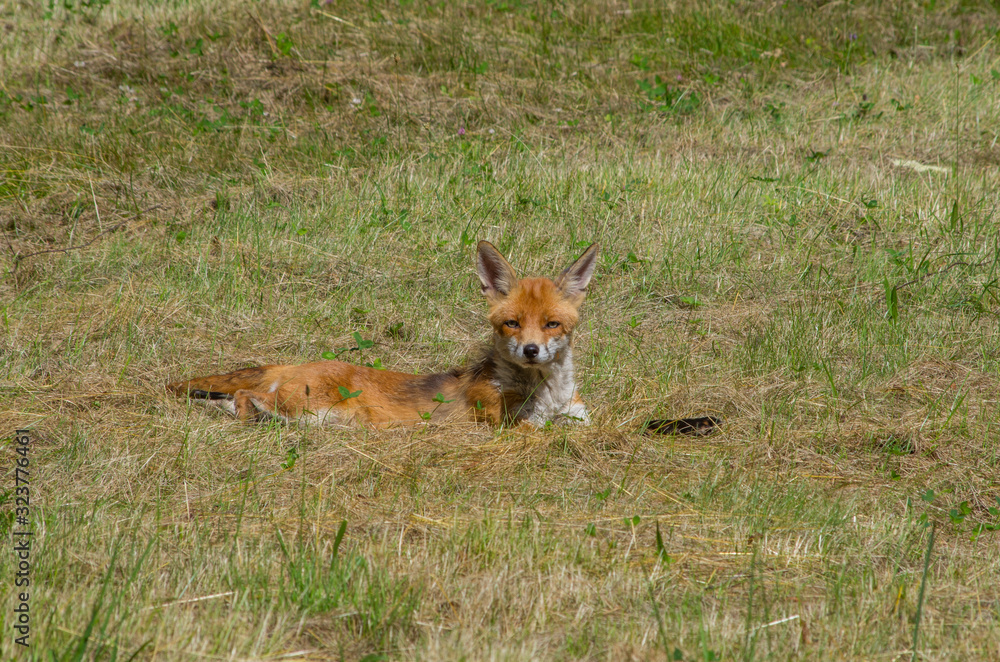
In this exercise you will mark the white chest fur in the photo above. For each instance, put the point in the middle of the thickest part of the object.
(547, 392)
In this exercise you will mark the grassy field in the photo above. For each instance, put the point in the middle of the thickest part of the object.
(798, 211)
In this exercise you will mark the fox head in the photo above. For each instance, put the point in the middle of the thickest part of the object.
(533, 318)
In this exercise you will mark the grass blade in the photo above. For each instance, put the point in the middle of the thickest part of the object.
(923, 586)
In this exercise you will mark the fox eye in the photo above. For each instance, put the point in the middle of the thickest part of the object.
(552, 325)
(512, 324)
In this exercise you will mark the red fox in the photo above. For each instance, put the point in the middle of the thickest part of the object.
(526, 376)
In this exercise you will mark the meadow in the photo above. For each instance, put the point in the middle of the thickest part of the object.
(798, 212)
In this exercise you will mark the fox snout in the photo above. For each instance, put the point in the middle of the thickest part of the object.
(534, 353)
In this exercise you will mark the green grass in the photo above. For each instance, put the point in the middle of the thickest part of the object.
(190, 187)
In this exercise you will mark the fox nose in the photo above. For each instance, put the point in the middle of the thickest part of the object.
(530, 351)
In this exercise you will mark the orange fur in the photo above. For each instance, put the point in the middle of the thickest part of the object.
(526, 376)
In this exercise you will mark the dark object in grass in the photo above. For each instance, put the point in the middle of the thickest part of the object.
(699, 426)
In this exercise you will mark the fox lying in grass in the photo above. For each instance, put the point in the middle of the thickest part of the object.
(525, 377)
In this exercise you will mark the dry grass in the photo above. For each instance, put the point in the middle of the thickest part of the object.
(201, 186)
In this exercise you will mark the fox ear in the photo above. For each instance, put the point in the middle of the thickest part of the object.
(495, 273)
(573, 282)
